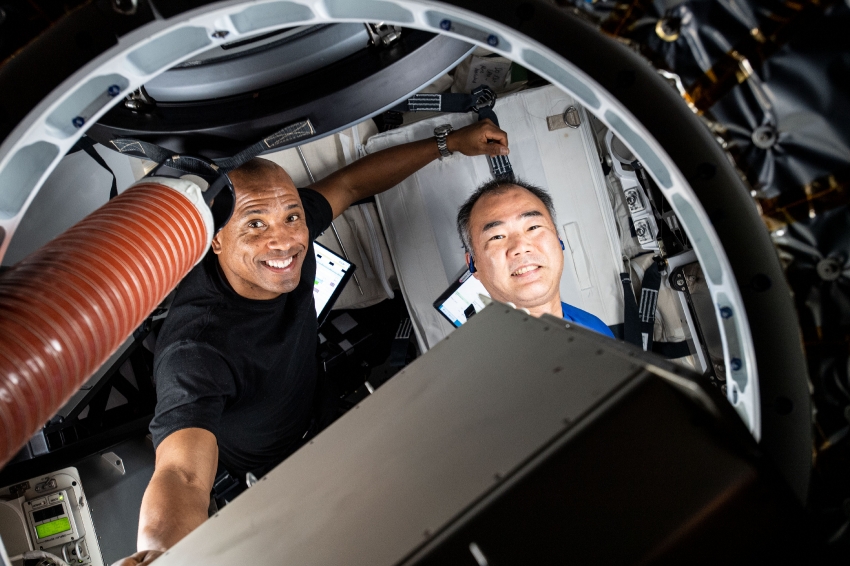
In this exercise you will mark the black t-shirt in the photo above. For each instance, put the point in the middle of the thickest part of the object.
(242, 369)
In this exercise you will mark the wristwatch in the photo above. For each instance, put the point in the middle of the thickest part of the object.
(442, 131)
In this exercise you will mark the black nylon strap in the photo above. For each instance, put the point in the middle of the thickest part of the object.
(477, 100)
(193, 165)
(639, 320)
(438, 102)
(671, 350)
(142, 149)
(286, 135)
(87, 144)
(631, 327)
(171, 165)
(500, 165)
(648, 302)
(480, 100)
(487, 112)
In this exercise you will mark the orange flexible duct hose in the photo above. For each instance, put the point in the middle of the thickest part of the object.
(67, 307)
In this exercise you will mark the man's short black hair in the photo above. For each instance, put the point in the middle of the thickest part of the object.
(496, 186)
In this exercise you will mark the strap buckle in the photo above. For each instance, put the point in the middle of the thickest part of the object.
(485, 98)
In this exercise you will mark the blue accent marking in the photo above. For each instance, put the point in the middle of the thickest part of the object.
(85, 101)
(733, 342)
(465, 28)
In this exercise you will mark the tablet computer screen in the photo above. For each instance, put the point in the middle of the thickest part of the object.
(332, 273)
(462, 299)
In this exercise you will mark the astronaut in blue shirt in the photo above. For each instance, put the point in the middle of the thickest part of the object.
(513, 248)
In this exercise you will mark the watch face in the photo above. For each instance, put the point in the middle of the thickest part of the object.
(442, 129)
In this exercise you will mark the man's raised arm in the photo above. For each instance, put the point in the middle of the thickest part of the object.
(178, 496)
(385, 169)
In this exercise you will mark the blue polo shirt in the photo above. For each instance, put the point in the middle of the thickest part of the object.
(585, 319)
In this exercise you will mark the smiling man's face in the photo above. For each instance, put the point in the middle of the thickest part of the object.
(517, 252)
(261, 248)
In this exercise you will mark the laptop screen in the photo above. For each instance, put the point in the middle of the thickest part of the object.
(332, 273)
(461, 300)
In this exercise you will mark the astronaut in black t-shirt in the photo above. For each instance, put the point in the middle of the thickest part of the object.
(235, 365)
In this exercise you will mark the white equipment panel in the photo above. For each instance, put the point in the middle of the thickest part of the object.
(49, 513)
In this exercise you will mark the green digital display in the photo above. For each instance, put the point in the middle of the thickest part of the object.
(53, 527)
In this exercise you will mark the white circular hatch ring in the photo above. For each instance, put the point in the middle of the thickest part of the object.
(34, 148)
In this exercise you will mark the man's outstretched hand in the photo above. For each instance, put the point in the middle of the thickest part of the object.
(142, 558)
(480, 138)
(384, 169)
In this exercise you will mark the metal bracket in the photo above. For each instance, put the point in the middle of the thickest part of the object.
(677, 279)
(138, 100)
(383, 35)
(569, 119)
(46, 485)
(115, 461)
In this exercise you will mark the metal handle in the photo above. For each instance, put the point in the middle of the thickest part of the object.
(333, 227)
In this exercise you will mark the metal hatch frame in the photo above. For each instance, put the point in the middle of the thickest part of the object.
(757, 319)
